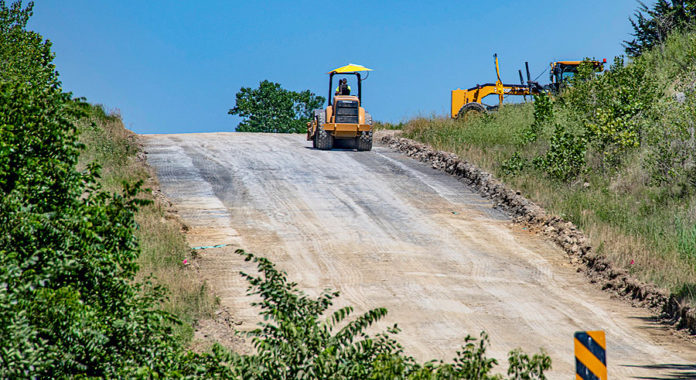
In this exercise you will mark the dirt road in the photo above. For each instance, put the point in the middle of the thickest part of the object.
(388, 231)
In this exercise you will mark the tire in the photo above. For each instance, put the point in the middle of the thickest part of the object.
(470, 109)
(322, 139)
(318, 113)
(364, 141)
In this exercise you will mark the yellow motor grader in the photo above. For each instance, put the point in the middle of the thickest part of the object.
(468, 101)
(471, 100)
(344, 118)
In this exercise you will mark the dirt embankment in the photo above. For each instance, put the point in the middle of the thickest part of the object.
(564, 233)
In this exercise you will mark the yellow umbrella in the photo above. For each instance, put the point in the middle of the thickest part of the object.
(349, 68)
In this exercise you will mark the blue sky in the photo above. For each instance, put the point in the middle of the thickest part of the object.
(175, 66)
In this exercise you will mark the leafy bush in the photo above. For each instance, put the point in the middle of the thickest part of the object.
(671, 158)
(513, 165)
(671, 146)
(565, 158)
(271, 108)
(26, 57)
(613, 109)
(69, 304)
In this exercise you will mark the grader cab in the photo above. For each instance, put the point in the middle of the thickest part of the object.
(344, 118)
(562, 71)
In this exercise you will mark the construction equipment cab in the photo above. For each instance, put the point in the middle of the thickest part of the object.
(562, 71)
(344, 118)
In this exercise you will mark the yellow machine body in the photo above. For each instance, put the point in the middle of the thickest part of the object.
(476, 95)
(461, 98)
(340, 130)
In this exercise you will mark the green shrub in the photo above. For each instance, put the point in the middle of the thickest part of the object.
(543, 114)
(513, 165)
(565, 158)
(671, 143)
(69, 303)
(613, 108)
(671, 156)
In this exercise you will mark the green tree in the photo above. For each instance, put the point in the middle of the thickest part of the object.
(614, 108)
(271, 108)
(651, 26)
(26, 56)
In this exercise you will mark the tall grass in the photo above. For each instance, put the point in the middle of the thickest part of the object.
(486, 139)
(163, 247)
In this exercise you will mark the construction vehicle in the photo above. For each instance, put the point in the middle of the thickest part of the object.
(344, 118)
(562, 71)
(470, 100)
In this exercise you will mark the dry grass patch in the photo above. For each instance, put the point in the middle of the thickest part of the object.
(162, 244)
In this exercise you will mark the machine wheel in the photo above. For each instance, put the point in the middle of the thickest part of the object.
(322, 139)
(470, 109)
(364, 141)
(310, 129)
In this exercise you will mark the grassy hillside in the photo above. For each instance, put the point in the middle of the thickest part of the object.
(162, 244)
(615, 154)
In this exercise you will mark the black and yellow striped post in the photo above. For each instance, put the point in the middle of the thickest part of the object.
(590, 355)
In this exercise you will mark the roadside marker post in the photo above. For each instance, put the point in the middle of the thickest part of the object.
(590, 355)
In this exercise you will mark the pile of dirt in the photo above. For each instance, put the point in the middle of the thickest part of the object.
(564, 233)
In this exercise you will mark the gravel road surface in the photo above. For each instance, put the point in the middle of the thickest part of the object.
(386, 230)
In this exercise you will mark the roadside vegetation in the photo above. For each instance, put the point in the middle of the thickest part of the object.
(163, 249)
(79, 238)
(614, 153)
